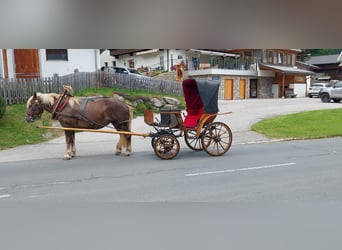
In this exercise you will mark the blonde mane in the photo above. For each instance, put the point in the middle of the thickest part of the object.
(49, 99)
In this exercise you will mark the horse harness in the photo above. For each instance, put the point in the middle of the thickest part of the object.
(60, 104)
(63, 101)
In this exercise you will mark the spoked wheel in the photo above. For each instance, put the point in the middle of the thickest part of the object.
(217, 139)
(166, 146)
(153, 141)
(191, 140)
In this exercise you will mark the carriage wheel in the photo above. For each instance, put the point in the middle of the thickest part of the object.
(217, 138)
(153, 141)
(166, 146)
(191, 140)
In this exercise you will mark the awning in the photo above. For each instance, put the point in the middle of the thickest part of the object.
(287, 70)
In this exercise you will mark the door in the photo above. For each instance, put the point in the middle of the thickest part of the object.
(253, 88)
(242, 89)
(228, 89)
(26, 63)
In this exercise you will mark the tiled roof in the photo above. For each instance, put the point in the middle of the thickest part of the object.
(327, 59)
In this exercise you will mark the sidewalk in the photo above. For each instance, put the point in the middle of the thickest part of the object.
(244, 114)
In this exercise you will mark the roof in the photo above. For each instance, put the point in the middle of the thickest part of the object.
(307, 65)
(287, 70)
(326, 59)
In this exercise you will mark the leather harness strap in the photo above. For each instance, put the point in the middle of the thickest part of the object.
(60, 104)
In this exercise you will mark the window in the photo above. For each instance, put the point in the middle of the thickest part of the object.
(161, 60)
(285, 58)
(257, 56)
(131, 63)
(57, 54)
(264, 56)
(270, 56)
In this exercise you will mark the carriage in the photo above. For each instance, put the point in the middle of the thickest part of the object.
(199, 128)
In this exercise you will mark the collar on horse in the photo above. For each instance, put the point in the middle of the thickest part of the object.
(60, 104)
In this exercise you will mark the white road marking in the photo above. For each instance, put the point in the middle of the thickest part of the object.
(241, 169)
(5, 196)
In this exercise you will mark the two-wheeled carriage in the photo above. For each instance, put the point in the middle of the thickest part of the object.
(198, 127)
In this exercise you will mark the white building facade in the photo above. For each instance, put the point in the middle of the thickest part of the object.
(16, 63)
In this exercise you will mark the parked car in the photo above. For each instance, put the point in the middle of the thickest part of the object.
(332, 93)
(315, 88)
(122, 70)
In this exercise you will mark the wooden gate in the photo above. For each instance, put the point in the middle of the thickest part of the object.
(228, 89)
(242, 89)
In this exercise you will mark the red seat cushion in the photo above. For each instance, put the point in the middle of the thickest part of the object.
(192, 117)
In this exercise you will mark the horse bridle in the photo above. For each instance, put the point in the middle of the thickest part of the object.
(35, 111)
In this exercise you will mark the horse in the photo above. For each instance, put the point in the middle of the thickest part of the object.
(84, 113)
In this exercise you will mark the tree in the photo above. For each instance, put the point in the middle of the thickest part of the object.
(321, 52)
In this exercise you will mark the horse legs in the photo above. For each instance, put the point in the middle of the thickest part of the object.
(128, 144)
(70, 145)
(124, 141)
(73, 147)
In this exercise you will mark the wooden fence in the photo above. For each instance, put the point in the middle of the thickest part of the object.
(17, 91)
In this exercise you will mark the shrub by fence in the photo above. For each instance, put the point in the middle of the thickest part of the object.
(2, 107)
(17, 91)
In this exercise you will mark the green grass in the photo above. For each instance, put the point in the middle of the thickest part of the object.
(304, 125)
(15, 131)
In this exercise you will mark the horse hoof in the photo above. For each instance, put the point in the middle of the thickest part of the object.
(127, 154)
(118, 153)
(67, 157)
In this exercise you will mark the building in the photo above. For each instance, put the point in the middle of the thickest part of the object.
(30, 63)
(328, 66)
(244, 73)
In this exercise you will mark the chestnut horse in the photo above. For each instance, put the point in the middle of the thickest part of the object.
(89, 113)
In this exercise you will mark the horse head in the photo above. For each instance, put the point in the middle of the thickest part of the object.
(35, 108)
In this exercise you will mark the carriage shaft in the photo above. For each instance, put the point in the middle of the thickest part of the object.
(97, 131)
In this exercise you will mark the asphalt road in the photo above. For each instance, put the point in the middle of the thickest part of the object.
(307, 170)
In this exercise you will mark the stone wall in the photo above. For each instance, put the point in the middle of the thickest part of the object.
(265, 87)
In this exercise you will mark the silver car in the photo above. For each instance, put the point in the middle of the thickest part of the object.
(332, 93)
(315, 88)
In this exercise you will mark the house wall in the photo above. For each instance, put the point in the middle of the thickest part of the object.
(152, 60)
(106, 57)
(84, 60)
(10, 63)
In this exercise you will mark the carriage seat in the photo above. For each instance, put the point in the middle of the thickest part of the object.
(192, 118)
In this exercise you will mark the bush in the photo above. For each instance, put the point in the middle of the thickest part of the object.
(2, 107)
(140, 108)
